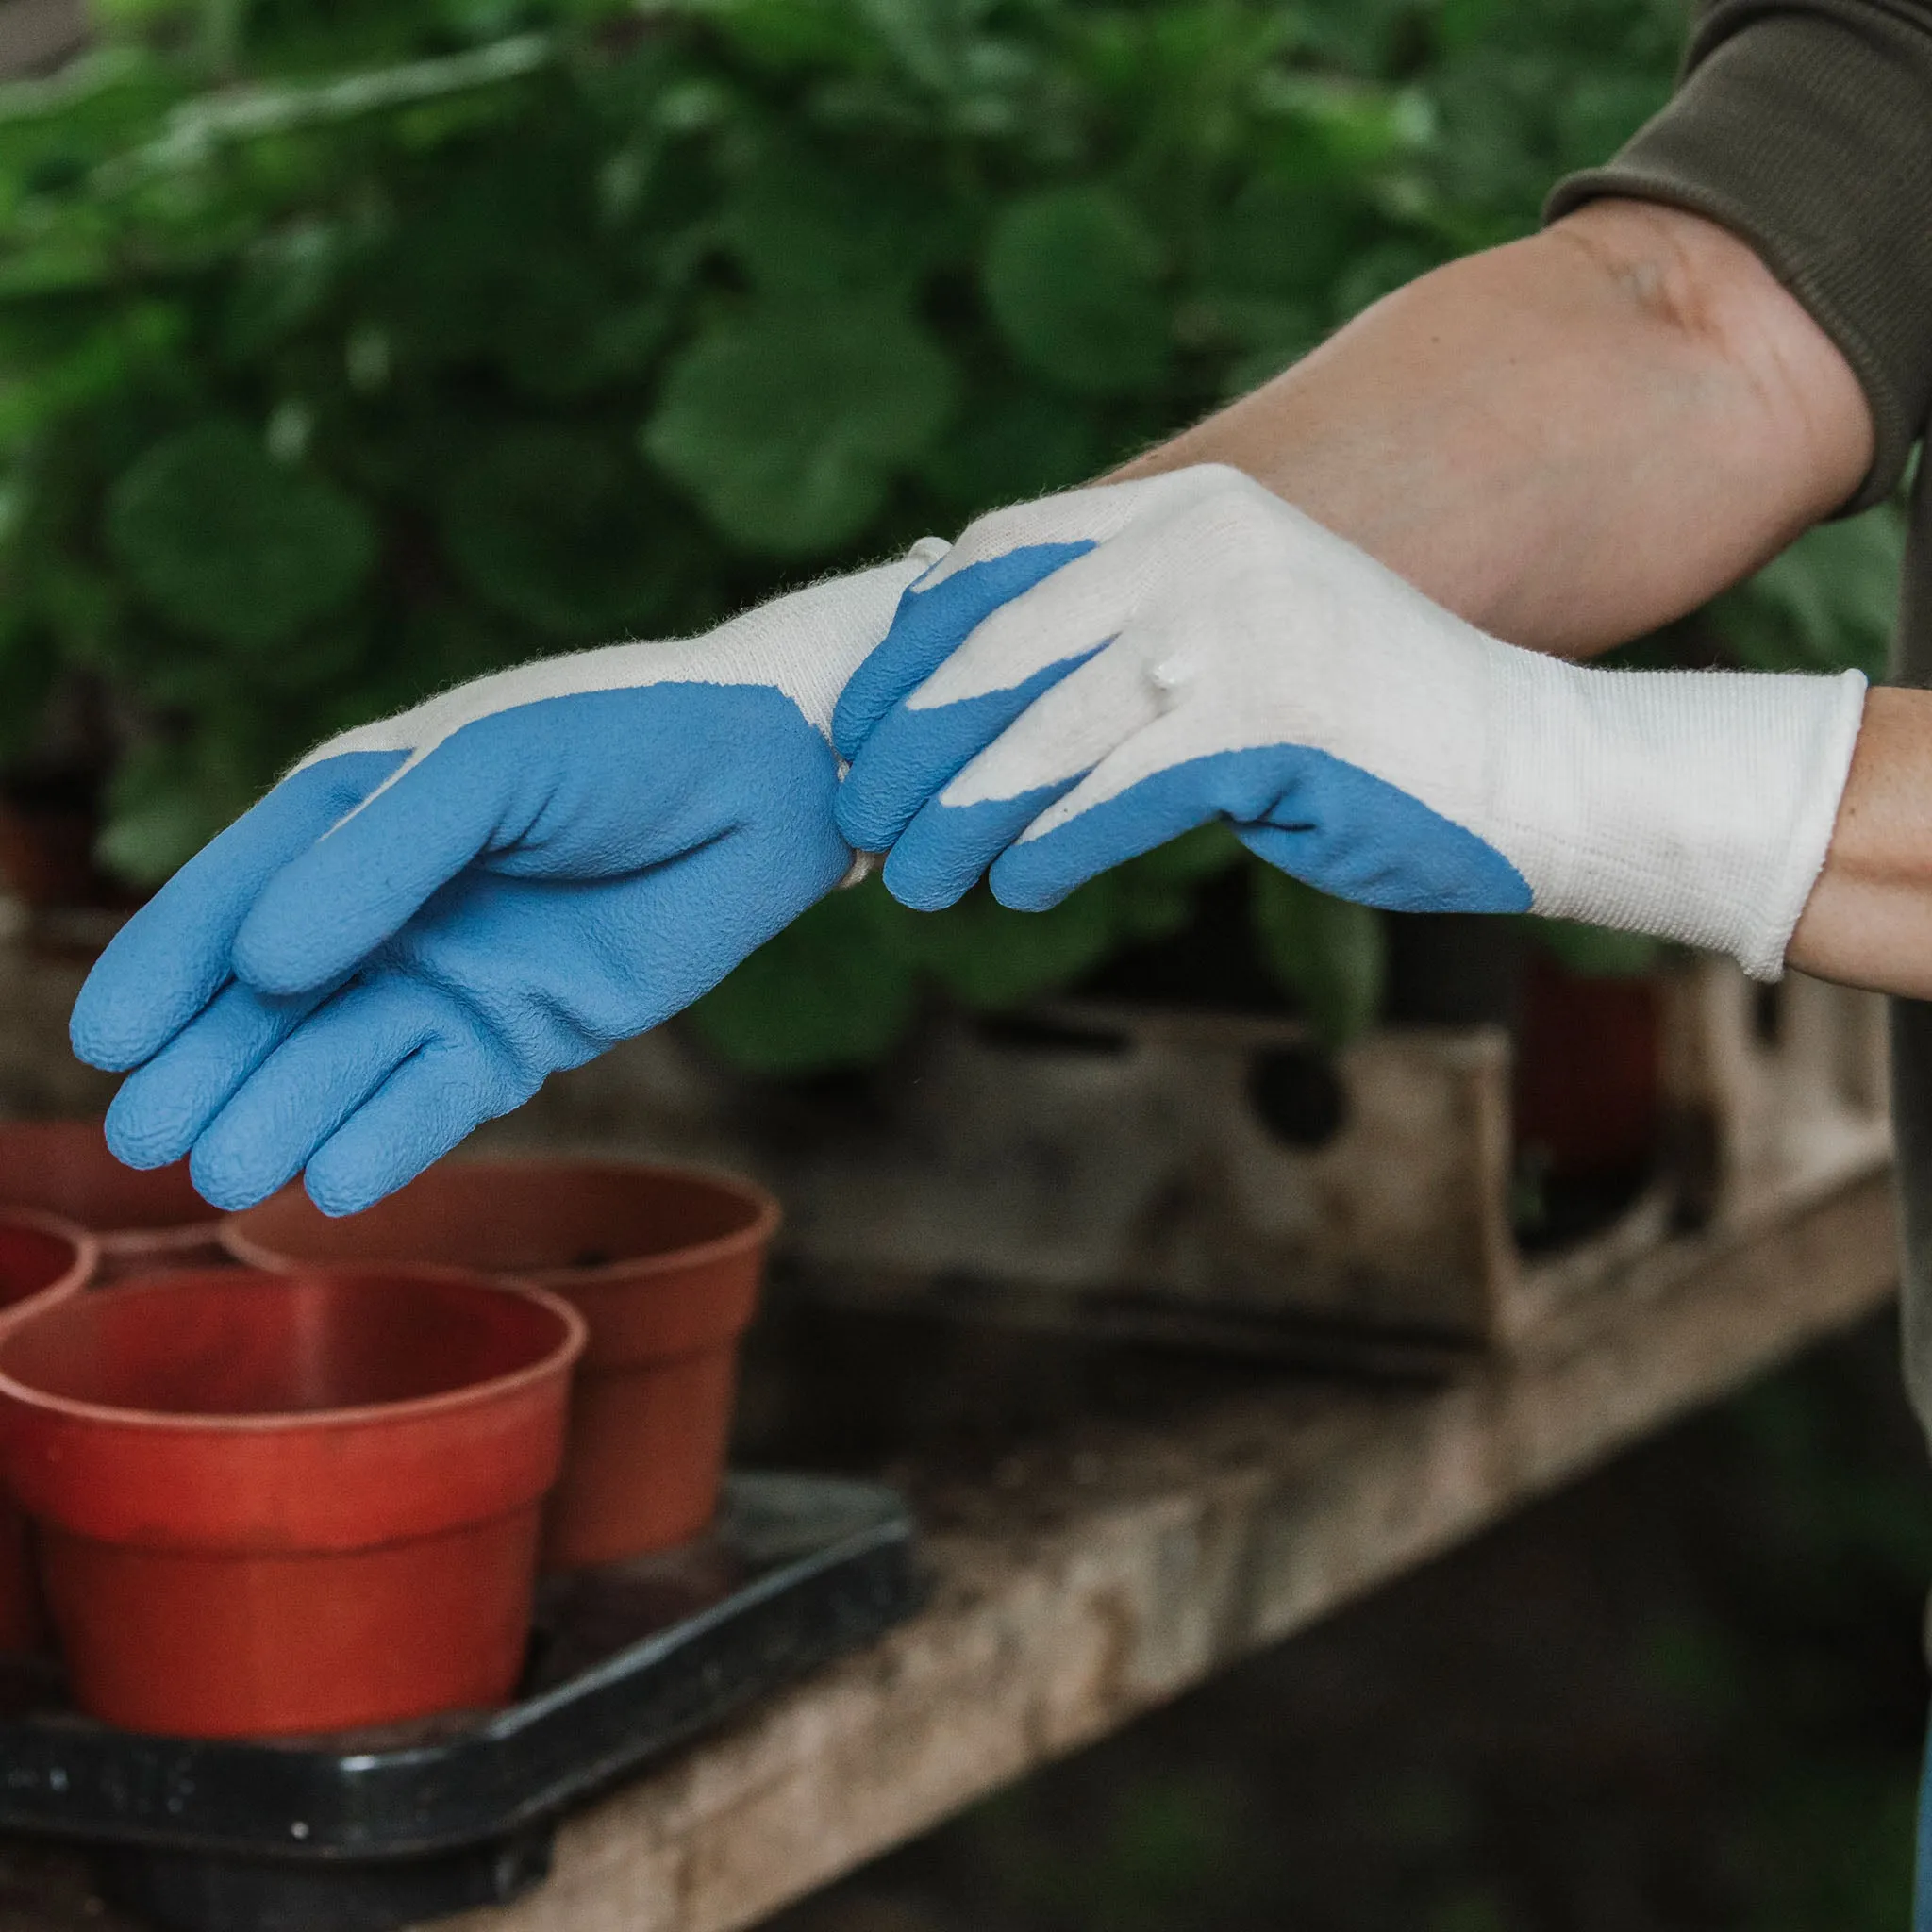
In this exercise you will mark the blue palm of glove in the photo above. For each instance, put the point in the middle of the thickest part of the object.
(1319, 817)
(546, 881)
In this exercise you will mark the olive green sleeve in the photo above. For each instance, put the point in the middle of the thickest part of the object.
(1805, 128)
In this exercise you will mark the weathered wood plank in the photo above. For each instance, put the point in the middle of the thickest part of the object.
(1122, 1565)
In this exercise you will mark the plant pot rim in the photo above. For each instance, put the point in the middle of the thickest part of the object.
(767, 1217)
(84, 1133)
(359, 1416)
(87, 1257)
(162, 1239)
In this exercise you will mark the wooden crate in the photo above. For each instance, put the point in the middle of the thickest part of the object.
(1122, 1169)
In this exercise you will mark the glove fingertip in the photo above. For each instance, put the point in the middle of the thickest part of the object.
(340, 1195)
(140, 1136)
(157, 974)
(1021, 884)
(226, 1183)
(383, 1147)
(864, 821)
(103, 1034)
(860, 706)
(282, 963)
(919, 888)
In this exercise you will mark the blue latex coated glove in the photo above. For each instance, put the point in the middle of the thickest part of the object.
(431, 915)
(1088, 676)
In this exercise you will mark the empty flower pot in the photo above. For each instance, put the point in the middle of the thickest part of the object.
(1589, 1086)
(268, 1505)
(141, 1220)
(662, 1263)
(41, 1259)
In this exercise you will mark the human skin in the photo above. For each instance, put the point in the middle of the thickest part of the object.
(1573, 438)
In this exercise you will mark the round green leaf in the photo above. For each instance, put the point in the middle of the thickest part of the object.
(1012, 445)
(558, 528)
(801, 229)
(233, 546)
(1071, 278)
(788, 424)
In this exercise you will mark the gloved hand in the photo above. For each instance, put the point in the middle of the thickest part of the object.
(430, 914)
(1088, 676)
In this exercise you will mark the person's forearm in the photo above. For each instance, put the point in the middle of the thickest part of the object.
(1573, 440)
(1869, 920)
(1568, 441)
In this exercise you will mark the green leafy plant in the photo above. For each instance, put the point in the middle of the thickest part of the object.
(348, 350)
(1328, 952)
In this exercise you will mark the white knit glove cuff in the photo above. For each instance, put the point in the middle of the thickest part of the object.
(1693, 805)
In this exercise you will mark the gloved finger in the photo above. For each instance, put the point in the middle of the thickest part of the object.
(999, 557)
(1036, 873)
(171, 958)
(1065, 732)
(348, 892)
(164, 1105)
(1013, 656)
(555, 974)
(1152, 789)
(550, 973)
(582, 787)
(929, 625)
(429, 1104)
(304, 1091)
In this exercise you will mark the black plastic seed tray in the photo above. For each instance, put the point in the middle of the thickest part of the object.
(359, 1833)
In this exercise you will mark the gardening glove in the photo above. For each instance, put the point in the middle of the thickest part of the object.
(430, 914)
(1087, 676)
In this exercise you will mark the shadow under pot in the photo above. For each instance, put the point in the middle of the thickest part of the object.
(268, 1505)
(663, 1263)
(143, 1219)
(43, 1260)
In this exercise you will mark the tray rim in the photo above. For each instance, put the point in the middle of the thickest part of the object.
(372, 1794)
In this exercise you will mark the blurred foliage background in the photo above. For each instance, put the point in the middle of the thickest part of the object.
(350, 349)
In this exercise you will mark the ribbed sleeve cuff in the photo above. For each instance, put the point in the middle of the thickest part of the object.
(1807, 130)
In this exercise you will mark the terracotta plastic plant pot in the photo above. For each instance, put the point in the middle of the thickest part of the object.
(142, 1221)
(47, 833)
(663, 1263)
(276, 1503)
(1589, 1069)
(41, 1261)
